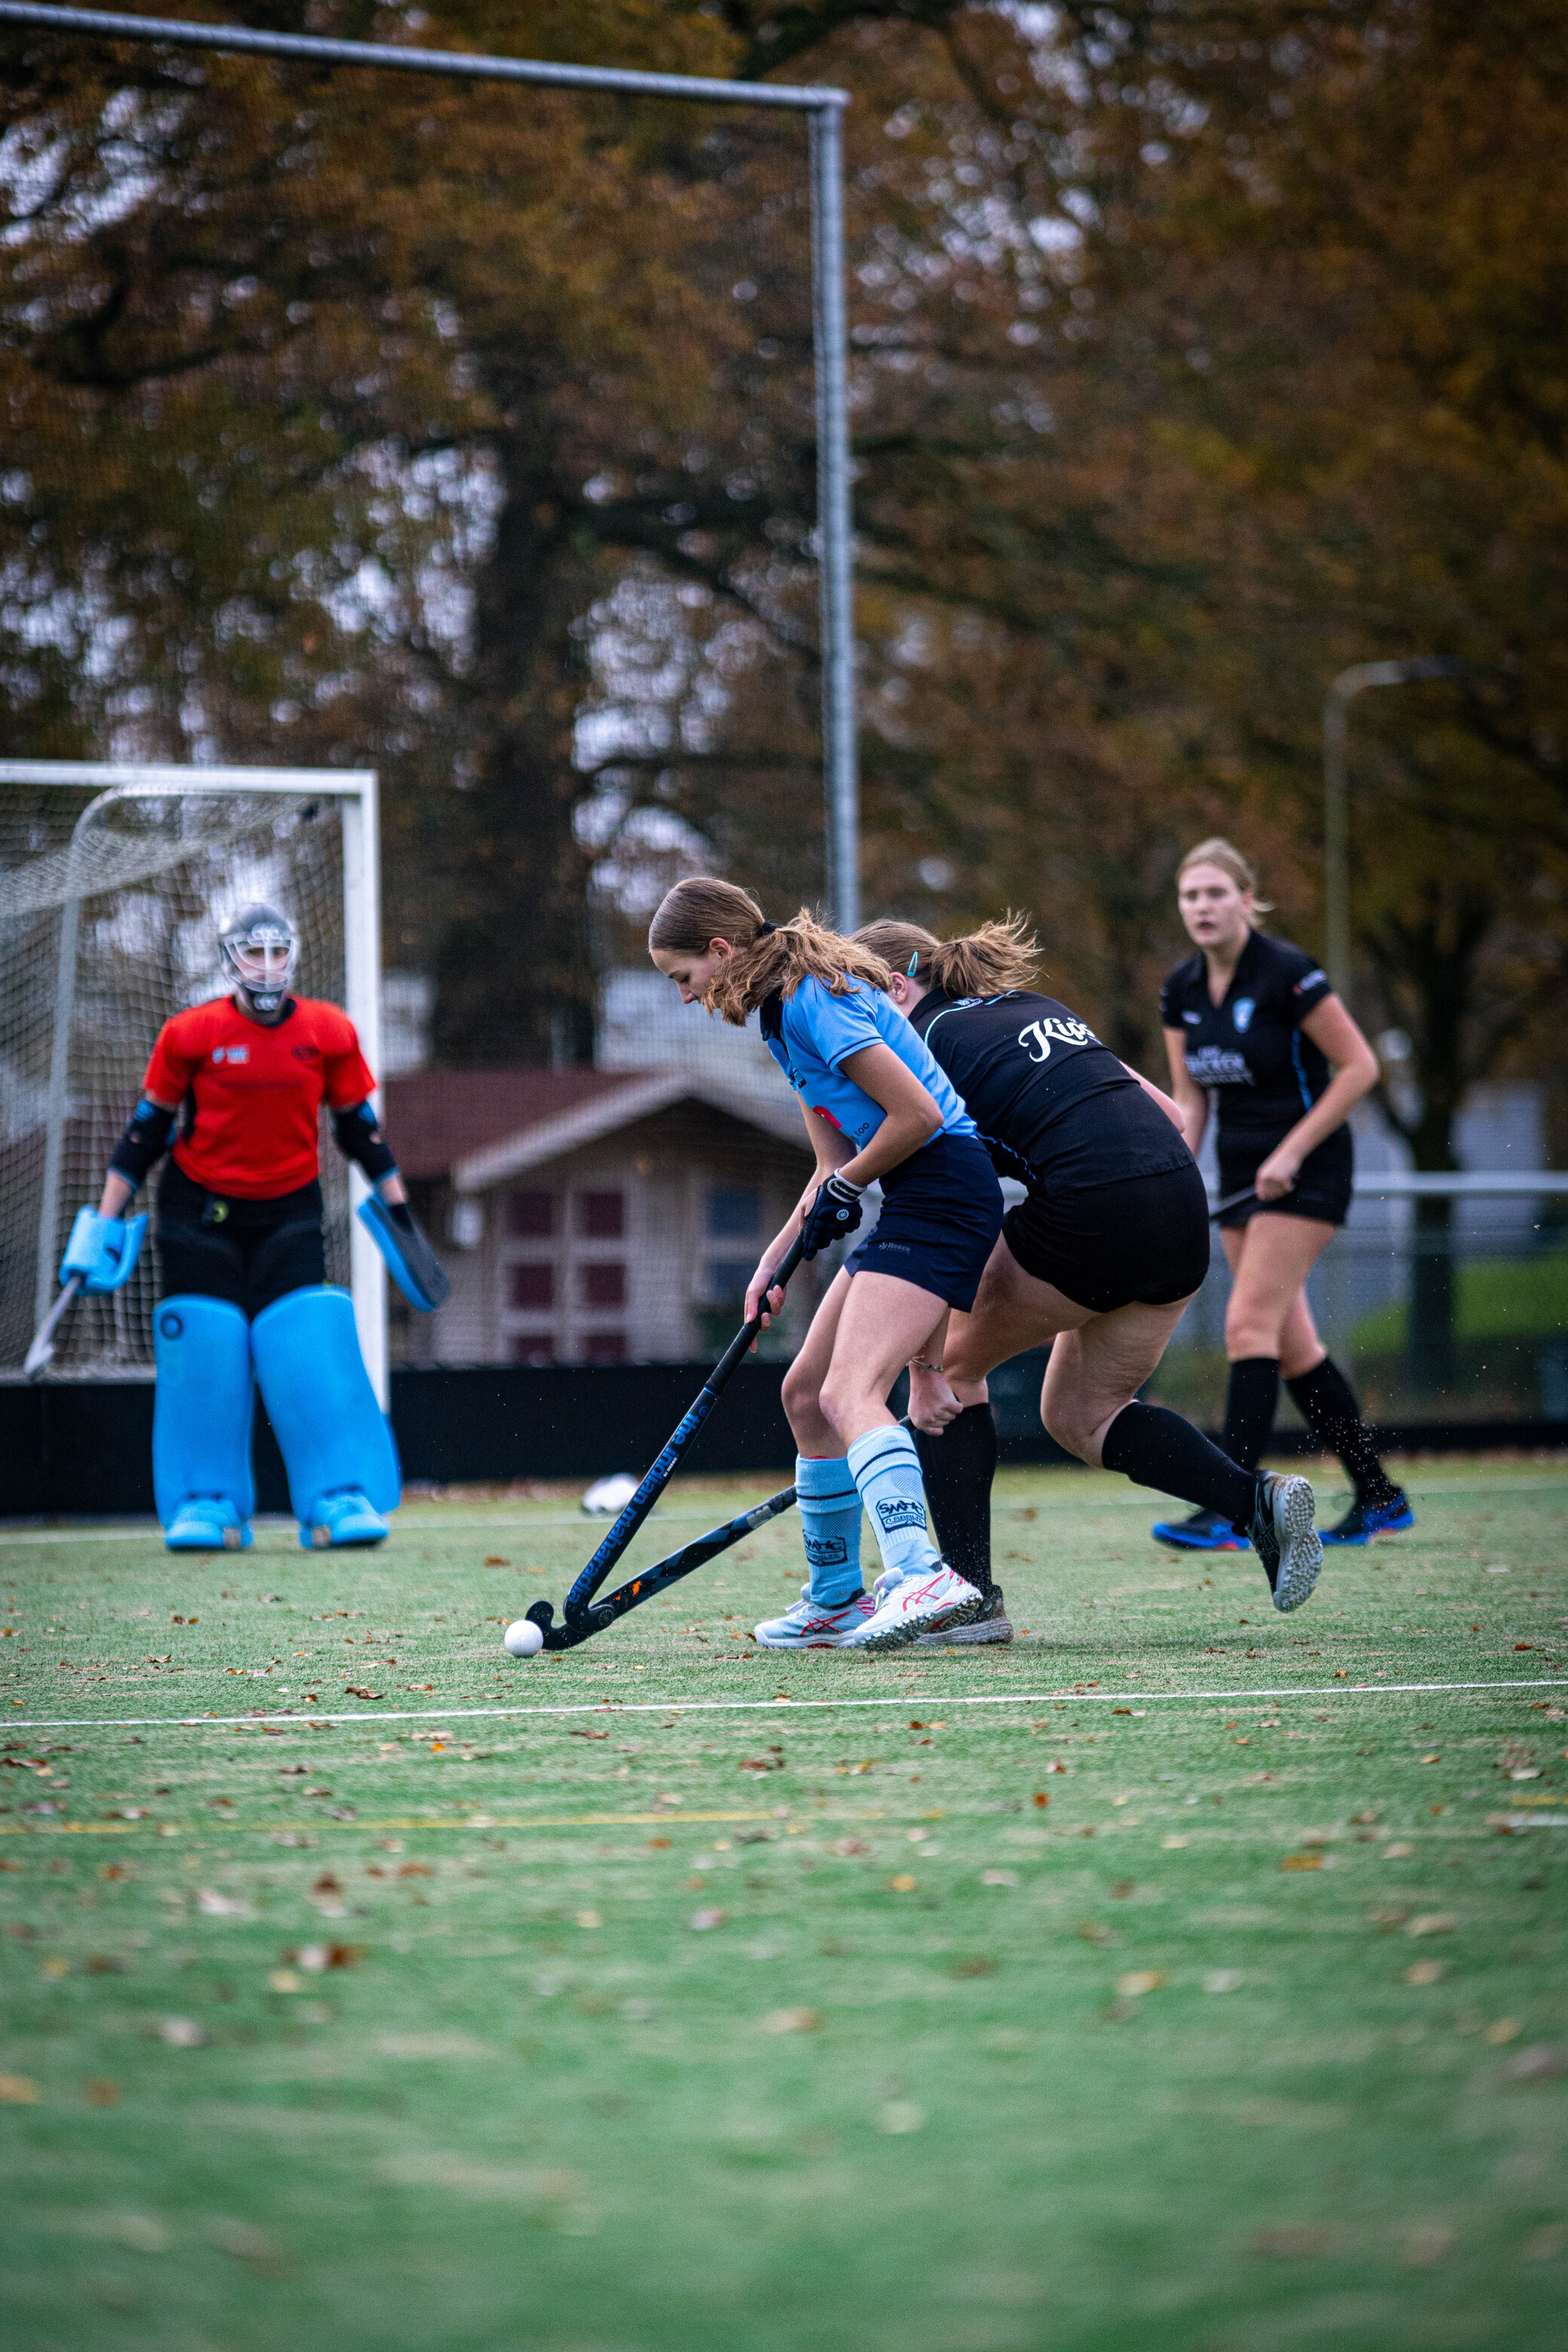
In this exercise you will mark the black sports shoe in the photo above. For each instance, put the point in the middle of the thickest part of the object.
(1285, 1539)
(1362, 1521)
(990, 1626)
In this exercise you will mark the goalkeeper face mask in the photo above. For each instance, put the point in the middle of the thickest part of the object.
(260, 948)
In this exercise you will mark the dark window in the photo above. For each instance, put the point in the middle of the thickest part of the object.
(603, 1285)
(532, 1348)
(533, 1285)
(601, 1216)
(734, 1213)
(605, 1348)
(530, 1216)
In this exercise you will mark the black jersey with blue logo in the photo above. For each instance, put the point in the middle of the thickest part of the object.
(1052, 1105)
(1248, 1048)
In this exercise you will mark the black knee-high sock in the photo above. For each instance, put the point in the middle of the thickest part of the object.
(1155, 1447)
(957, 1469)
(1249, 1405)
(1326, 1402)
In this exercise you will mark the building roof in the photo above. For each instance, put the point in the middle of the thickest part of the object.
(479, 1128)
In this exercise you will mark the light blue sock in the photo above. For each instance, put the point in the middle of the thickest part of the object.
(887, 1470)
(830, 1504)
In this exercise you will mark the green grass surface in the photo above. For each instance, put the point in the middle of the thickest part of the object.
(804, 2026)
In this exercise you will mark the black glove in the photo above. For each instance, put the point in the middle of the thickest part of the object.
(834, 1214)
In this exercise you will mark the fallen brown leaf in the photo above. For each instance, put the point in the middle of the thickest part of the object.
(1296, 2241)
(792, 2020)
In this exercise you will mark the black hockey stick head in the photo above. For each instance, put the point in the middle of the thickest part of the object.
(566, 1636)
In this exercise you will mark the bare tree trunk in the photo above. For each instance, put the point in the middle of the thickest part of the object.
(514, 975)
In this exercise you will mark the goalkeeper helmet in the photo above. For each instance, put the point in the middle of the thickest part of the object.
(260, 948)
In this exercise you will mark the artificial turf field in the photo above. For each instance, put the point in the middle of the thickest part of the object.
(1169, 1979)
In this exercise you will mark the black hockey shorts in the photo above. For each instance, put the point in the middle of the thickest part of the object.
(248, 1252)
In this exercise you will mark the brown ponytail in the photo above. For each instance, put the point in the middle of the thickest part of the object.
(768, 958)
(986, 963)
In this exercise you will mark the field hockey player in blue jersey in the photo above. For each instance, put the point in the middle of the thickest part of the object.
(877, 1109)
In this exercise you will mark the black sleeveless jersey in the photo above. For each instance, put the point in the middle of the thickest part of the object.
(1249, 1047)
(1053, 1104)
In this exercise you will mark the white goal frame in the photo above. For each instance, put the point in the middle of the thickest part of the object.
(354, 790)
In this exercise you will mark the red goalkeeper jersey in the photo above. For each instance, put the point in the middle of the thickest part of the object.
(253, 1094)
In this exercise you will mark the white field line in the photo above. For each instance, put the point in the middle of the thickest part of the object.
(319, 1717)
(147, 1531)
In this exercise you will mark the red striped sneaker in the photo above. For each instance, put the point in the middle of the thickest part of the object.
(810, 1625)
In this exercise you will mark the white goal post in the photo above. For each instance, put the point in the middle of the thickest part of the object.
(112, 881)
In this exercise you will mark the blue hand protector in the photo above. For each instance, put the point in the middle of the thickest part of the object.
(835, 1212)
(412, 1263)
(103, 1251)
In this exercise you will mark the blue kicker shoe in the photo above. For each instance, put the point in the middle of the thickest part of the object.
(1204, 1531)
(1362, 1521)
(206, 1523)
(346, 1518)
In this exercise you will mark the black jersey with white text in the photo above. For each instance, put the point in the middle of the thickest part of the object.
(1250, 1048)
(1051, 1103)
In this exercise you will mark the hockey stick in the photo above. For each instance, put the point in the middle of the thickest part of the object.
(41, 1353)
(659, 1577)
(658, 1478)
(1231, 1200)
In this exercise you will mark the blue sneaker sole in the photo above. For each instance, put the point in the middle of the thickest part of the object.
(1369, 1534)
(1162, 1532)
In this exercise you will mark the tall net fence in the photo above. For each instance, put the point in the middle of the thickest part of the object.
(109, 904)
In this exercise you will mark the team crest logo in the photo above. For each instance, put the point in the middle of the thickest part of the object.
(895, 1515)
(827, 1551)
(1241, 1014)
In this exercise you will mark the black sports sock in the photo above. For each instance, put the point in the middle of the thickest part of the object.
(1155, 1447)
(1326, 1402)
(1249, 1405)
(957, 1469)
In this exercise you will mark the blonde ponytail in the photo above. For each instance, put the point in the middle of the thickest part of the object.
(987, 962)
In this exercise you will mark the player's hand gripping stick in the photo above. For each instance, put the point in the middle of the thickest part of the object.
(581, 1620)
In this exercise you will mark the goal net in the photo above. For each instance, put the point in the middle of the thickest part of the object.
(111, 892)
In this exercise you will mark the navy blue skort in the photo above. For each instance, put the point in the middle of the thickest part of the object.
(941, 1211)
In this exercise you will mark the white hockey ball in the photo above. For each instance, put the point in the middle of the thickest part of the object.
(523, 1638)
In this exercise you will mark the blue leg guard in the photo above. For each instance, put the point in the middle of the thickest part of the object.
(201, 1424)
(335, 1439)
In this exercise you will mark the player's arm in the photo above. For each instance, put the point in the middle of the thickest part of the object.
(138, 1151)
(830, 1148)
(359, 1138)
(1355, 1064)
(1191, 1100)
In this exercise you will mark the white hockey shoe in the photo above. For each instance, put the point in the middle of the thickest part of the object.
(811, 1626)
(908, 1606)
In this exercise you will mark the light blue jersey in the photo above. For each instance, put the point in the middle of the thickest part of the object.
(813, 1032)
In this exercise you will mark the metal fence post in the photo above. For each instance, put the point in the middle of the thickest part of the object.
(835, 545)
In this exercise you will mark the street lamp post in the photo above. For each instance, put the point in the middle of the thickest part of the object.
(1336, 797)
